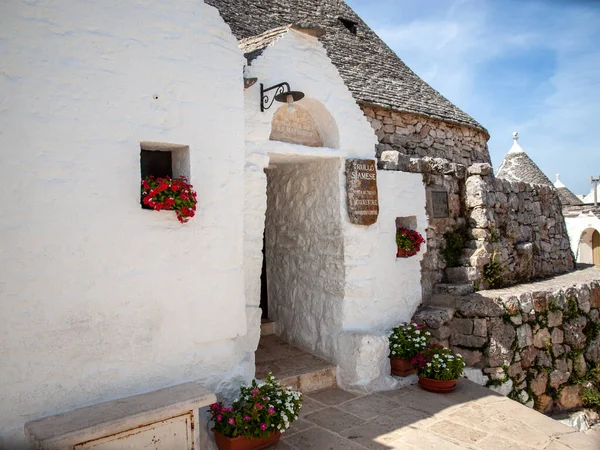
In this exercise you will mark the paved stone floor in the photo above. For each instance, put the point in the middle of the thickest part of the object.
(471, 417)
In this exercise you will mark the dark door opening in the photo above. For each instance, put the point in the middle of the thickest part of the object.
(264, 292)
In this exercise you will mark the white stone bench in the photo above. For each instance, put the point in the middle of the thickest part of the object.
(166, 419)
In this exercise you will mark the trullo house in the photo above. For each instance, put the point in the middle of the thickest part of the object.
(101, 298)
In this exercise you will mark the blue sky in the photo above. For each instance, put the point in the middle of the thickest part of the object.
(513, 65)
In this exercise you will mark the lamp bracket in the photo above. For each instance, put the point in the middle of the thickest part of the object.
(266, 100)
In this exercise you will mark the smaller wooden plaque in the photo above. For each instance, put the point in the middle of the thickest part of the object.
(361, 189)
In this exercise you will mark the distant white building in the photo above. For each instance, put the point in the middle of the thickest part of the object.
(582, 218)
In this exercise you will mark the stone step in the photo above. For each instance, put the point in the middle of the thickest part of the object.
(460, 275)
(453, 289)
(435, 316)
(292, 366)
(267, 327)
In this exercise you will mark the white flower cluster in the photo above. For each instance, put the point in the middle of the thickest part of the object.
(407, 339)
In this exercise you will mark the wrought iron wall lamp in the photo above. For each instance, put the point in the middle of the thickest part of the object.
(282, 94)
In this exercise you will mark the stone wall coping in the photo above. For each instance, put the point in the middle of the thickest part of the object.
(92, 422)
(583, 274)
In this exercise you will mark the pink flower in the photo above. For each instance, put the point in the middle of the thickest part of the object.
(263, 426)
(247, 418)
(219, 418)
(254, 391)
(271, 411)
(231, 421)
(259, 406)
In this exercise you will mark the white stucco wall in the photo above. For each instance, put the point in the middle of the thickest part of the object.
(102, 299)
(379, 289)
(382, 290)
(304, 247)
(581, 246)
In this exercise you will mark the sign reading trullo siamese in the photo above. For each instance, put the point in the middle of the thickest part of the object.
(361, 188)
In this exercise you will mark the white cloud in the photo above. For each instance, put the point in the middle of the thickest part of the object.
(451, 43)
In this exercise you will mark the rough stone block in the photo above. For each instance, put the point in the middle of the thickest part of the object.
(514, 370)
(555, 318)
(528, 356)
(476, 192)
(542, 338)
(476, 305)
(479, 169)
(433, 317)
(558, 336)
(574, 335)
(526, 303)
(441, 333)
(558, 350)
(539, 383)
(595, 295)
(583, 299)
(503, 389)
(544, 403)
(543, 359)
(475, 375)
(473, 358)
(592, 353)
(462, 326)
(570, 397)
(502, 336)
(480, 327)
(560, 375)
(540, 301)
(467, 340)
(524, 336)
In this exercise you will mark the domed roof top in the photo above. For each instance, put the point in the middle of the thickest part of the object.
(518, 166)
(567, 198)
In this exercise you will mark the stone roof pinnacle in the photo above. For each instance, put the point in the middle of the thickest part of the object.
(558, 183)
(516, 147)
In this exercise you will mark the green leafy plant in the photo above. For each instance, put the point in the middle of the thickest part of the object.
(494, 235)
(571, 311)
(408, 339)
(439, 363)
(591, 393)
(492, 273)
(455, 242)
(262, 408)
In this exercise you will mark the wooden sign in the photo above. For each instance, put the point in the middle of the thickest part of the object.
(439, 204)
(296, 127)
(361, 189)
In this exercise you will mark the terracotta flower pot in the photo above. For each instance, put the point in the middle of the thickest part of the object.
(402, 253)
(401, 367)
(439, 386)
(245, 443)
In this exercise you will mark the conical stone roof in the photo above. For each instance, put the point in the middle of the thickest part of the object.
(567, 198)
(372, 71)
(518, 166)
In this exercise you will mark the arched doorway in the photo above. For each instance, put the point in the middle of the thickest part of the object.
(596, 247)
(302, 282)
(588, 251)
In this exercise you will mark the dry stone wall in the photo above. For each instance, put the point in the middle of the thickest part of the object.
(517, 225)
(441, 152)
(531, 342)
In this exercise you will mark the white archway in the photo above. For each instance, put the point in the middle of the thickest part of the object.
(588, 250)
(307, 123)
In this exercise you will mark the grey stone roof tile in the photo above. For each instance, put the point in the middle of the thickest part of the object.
(372, 71)
(567, 198)
(518, 166)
